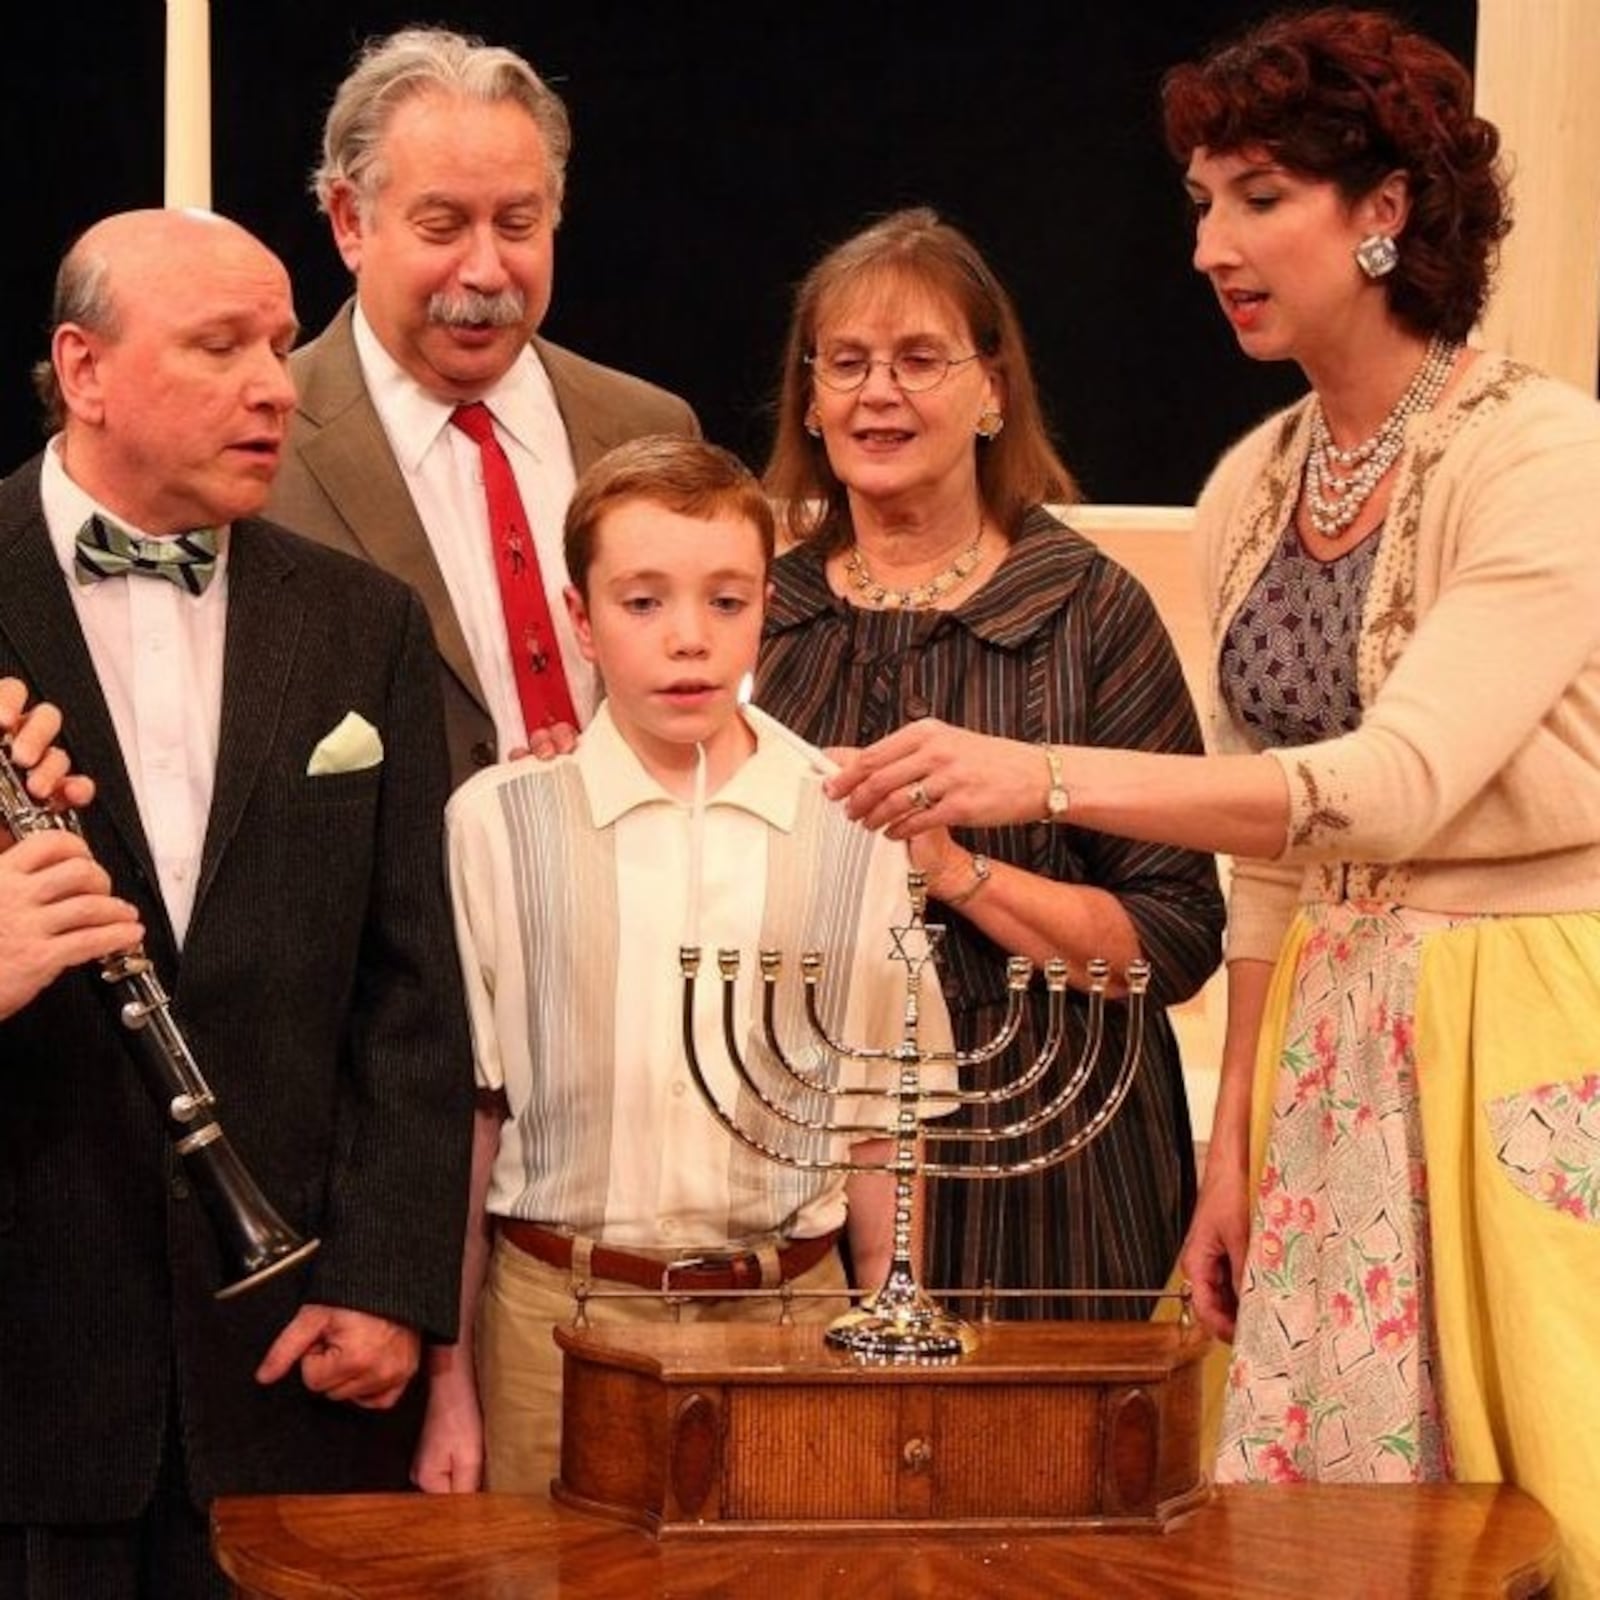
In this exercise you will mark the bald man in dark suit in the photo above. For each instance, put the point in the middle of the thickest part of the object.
(266, 740)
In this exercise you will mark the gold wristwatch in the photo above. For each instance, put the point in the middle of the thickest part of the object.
(1057, 798)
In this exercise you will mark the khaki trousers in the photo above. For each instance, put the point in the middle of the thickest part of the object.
(519, 1364)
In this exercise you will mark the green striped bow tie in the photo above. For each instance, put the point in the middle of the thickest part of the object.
(107, 551)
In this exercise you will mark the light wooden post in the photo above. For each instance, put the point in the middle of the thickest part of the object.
(1538, 81)
(188, 125)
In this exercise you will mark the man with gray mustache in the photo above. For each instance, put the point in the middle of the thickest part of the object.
(443, 170)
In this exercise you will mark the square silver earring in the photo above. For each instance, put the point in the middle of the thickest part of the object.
(1377, 255)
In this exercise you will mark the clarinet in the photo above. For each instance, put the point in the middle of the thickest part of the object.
(254, 1241)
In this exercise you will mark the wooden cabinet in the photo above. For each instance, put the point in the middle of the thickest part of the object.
(704, 1429)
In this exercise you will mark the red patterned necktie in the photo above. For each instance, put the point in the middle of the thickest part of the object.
(530, 629)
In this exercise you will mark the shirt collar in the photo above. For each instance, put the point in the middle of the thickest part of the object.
(67, 507)
(413, 418)
(767, 784)
(1045, 563)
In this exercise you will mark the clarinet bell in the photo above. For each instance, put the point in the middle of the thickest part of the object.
(254, 1241)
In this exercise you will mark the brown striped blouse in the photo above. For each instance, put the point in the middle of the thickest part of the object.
(1062, 645)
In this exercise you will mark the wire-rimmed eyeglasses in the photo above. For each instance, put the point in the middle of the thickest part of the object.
(913, 371)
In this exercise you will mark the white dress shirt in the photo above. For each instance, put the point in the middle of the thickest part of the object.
(572, 883)
(157, 650)
(443, 470)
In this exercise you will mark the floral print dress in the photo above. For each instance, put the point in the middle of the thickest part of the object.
(1333, 1368)
(1332, 1374)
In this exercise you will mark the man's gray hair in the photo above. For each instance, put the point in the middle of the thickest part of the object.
(390, 71)
(83, 296)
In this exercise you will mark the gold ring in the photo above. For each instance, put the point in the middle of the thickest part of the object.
(919, 797)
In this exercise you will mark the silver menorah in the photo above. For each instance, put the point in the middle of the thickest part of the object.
(901, 1322)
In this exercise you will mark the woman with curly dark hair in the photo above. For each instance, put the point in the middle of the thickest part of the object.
(1402, 1196)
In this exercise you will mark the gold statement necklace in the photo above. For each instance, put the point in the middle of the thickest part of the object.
(920, 596)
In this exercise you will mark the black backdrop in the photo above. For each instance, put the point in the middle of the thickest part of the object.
(719, 148)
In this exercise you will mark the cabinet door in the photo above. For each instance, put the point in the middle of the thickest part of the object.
(1016, 1450)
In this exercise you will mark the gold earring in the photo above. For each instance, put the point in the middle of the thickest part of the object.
(990, 422)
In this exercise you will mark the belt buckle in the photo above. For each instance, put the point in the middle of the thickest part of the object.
(682, 1264)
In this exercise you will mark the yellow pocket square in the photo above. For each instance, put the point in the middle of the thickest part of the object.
(352, 747)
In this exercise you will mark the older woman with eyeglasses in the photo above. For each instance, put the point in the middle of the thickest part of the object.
(928, 580)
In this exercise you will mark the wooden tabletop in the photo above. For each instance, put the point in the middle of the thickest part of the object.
(1442, 1542)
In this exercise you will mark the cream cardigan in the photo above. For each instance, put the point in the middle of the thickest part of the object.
(1473, 782)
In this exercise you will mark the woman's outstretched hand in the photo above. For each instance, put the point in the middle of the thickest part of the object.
(929, 774)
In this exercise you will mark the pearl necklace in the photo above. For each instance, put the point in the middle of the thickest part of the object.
(1340, 482)
(921, 596)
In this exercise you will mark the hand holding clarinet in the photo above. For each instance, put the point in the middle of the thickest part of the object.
(56, 906)
(56, 911)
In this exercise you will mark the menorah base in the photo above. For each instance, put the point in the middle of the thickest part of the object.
(921, 1334)
(697, 1429)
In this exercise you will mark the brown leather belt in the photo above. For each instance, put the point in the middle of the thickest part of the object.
(707, 1274)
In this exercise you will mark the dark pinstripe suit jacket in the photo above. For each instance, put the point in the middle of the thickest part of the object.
(318, 988)
(340, 485)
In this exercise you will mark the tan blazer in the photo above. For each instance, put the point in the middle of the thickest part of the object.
(340, 485)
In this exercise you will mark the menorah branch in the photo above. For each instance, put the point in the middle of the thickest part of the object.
(900, 1321)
